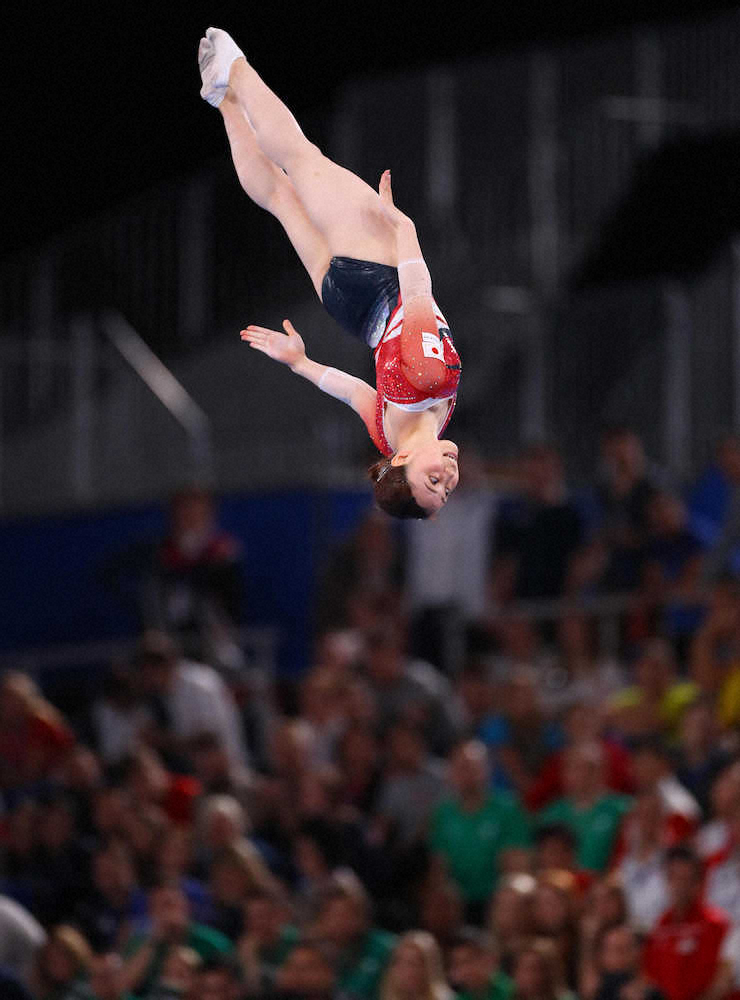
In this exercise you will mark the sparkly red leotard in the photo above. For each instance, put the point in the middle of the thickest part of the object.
(415, 367)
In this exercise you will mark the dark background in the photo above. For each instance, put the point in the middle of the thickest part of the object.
(102, 101)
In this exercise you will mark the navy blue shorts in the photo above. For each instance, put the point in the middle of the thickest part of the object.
(360, 295)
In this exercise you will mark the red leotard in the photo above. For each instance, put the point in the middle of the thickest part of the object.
(416, 366)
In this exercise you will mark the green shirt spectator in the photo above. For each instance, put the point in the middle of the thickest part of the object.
(268, 941)
(470, 829)
(171, 927)
(361, 968)
(363, 952)
(473, 968)
(588, 809)
(499, 987)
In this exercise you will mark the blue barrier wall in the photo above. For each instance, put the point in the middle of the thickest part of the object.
(50, 567)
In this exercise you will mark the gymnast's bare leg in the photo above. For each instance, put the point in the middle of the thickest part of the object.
(341, 206)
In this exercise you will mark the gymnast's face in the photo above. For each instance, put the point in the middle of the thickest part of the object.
(432, 473)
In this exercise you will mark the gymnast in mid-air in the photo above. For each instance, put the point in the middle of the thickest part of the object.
(363, 257)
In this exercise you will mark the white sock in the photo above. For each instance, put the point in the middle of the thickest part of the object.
(216, 52)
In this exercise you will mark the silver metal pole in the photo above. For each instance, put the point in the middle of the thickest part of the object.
(168, 390)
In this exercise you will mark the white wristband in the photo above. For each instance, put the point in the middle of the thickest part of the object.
(338, 384)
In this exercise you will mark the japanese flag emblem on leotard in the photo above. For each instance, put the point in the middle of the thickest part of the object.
(431, 346)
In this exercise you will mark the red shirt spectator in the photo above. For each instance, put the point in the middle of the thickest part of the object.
(684, 954)
(548, 785)
(34, 738)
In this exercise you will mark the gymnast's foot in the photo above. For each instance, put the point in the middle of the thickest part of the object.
(216, 53)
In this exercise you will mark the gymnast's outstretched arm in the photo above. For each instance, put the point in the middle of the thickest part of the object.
(288, 348)
(421, 359)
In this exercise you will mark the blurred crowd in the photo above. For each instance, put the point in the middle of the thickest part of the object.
(512, 771)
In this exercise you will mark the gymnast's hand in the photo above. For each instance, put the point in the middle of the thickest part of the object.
(393, 214)
(287, 348)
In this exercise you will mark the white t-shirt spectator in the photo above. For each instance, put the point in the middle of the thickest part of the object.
(438, 549)
(723, 886)
(118, 731)
(645, 889)
(713, 838)
(21, 935)
(199, 702)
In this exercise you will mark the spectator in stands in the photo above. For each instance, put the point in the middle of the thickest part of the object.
(415, 971)
(538, 973)
(555, 914)
(714, 505)
(368, 562)
(604, 907)
(170, 927)
(409, 690)
(359, 759)
(62, 861)
(579, 675)
(474, 968)
(684, 954)
(344, 925)
(34, 737)
(178, 978)
(189, 699)
(715, 836)
(652, 766)
(617, 974)
(593, 813)
(441, 909)
(120, 718)
(700, 755)
(62, 965)
(21, 936)
(116, 901)
(322, 703)
(442, 600)
(308, 974)
(473, 827)
(236, 871)
(537, 535)
(149, 785)
(722, 888)
(511, 921)
(268, 940)
(623, 498)
(672, 563)
(655, 704)
(474, 691)
(195, 587)
(641, 867)
(105, 969)
(520, 736)
(556, 848)
(216, 978)
(414, 784)
(582, 724)
(212, 768)
(715, 652)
